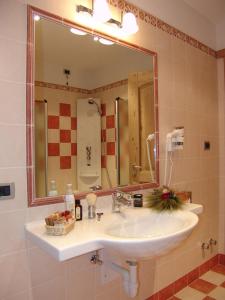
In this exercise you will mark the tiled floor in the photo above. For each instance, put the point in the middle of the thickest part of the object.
(210, 286)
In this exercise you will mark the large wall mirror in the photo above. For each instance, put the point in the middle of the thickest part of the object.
(94, 110)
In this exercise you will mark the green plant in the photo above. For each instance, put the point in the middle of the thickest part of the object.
(164, 199)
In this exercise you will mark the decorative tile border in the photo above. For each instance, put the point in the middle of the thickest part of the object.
(61, 87)
(156, 22)
(80, 90)
(169, 291)
(110, 86)
(220, 53)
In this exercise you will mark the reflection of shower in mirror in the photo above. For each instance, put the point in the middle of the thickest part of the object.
(118, 146)
(92, 101)
(149, 138)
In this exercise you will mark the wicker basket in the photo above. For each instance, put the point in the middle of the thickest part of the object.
(59, 229)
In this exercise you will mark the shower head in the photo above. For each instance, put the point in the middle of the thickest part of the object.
(119, 98)
(150, 137)
(92, 101)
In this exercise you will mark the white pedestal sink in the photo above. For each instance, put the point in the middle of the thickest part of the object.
(136, 233)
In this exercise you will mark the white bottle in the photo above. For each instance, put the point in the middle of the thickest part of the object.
(70, 200)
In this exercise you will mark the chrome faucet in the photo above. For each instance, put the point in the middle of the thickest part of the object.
(96, 188)
(120, 199)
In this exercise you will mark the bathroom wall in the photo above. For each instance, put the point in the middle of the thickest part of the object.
(187, 79)
(167, 11)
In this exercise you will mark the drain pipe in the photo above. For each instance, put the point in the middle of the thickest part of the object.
(130, 282)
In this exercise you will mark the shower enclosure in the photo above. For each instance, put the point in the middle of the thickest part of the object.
(41, 147)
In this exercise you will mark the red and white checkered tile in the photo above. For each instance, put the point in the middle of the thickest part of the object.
(62, 134)
(210, 286)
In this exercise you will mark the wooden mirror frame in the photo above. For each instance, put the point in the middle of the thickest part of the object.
(30, 155)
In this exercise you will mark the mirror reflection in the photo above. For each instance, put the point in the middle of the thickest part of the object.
(94, 112)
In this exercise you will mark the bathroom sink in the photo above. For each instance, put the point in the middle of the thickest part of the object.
(135, 233)
(143, 233)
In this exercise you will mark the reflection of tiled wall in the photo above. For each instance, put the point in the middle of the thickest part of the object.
(62, 125)
(108, 134)
(63, 128)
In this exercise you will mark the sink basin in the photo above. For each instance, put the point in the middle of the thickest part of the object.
(143, 233)
(136, 233)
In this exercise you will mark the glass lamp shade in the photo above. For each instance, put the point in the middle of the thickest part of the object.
(77, 31)
(129, 24)
(101, 12)
(105, 42)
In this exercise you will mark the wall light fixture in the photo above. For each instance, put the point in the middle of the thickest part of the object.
(100, 13)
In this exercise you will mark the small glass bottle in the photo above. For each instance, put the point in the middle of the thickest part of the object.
(78, 210)
(138, 200)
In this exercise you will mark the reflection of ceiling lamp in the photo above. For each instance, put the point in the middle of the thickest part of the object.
(77, 31)
(105, 41)
(100, 13)
(37, 18)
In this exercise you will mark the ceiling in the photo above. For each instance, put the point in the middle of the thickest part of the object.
(213, 10)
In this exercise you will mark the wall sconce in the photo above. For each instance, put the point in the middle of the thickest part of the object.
(100, 13)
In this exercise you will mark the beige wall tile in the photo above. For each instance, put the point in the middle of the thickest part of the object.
(19, 296)
(65, 123)
(43, 267)
(52, 289)
(13, 144)
(13, 96)
(16, 276)
(53, 136)
(12, 233)
(11, 27)
(12, 60)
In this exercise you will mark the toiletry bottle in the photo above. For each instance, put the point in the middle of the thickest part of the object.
(69, 199)
(138, 200)
(91, 200)
(78, 210)
(53, 190)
